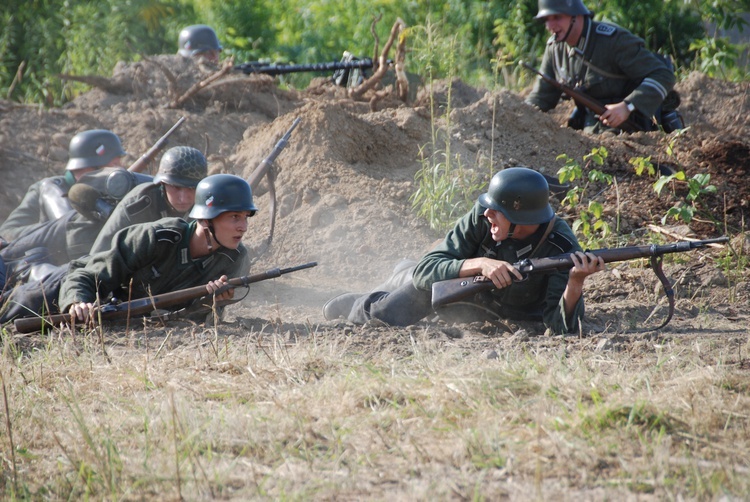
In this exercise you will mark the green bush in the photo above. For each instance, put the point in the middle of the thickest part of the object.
(87, 37)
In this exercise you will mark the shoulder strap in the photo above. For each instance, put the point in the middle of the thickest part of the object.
(544, 237)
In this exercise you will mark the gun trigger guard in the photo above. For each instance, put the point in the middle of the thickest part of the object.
(525, 277)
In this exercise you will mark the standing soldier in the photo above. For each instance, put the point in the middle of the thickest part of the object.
(607, 63)
(170, 195)
(46, 200)
(199, 41)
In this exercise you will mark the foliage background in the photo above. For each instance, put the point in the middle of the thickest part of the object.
(41, 38)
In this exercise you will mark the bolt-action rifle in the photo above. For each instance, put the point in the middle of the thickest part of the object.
(582, 99)
(145, 159)
(264, 169)
(144, 306)
(453, 290)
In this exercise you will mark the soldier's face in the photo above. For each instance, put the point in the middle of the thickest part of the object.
(180, 198)
(230, 227)
(558, 25)
(500, 224)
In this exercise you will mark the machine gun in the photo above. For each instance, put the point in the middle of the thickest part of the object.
(584, 100)
(143, 306)
(349, 72)
(274, 69)
(453, 290)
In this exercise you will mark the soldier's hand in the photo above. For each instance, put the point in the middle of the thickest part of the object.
(83, 312)
(501, 273)
(615, 115)
(585, 264)
(213, 286)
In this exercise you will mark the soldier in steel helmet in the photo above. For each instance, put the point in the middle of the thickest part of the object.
(199, 41)
(171, 194)
(608, 63)
(155, 257)
(509, 223)
(46, 200)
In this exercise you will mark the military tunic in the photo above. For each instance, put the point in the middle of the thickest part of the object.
(156, 256)
(621, 69)
(31, 210)
(144, 203)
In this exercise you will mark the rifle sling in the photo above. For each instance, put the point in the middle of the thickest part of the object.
(656, 261)
(547, 231)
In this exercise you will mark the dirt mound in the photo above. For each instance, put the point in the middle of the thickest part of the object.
(345, 179)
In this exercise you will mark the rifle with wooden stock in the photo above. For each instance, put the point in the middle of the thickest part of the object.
(143, 306)
(264, 169)
(140, 165)
(582, 99)
(454, 290)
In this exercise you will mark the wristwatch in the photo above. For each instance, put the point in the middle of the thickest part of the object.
(631, 106)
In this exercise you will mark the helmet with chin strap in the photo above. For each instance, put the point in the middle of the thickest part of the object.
(521, 195)
(220, 193)
(568, 7)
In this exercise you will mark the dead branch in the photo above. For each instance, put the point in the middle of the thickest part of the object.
(402, 83)
(118, 85)
(357, 92)
(171, 79)
(195, 89)
(16, 79)
(376, 47)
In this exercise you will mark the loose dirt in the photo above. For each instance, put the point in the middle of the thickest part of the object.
(345, 180)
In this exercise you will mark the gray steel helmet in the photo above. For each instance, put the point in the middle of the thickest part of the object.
(569, 7)
(521, 194)
(93, 148)
(182, 166)
(220, 193)
(196, 39)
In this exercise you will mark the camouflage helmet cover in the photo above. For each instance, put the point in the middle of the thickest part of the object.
(196, 39)
(93, 148)
(220, 193)
(182, 166)
(521, 194)
(569, 7)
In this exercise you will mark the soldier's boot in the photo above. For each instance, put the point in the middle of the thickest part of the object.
(341, 305)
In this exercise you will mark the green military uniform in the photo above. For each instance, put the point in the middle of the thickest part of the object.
(146, 202)
(621, 69)
(156, 256)
(539, 295)
(32, 211)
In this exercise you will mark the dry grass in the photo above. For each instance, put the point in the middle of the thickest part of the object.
(373, 413)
